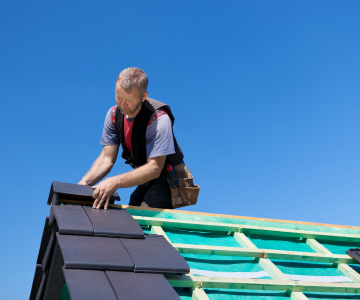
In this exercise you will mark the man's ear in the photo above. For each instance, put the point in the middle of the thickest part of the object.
(145, 96)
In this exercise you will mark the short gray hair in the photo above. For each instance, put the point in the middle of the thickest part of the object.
(133, 77)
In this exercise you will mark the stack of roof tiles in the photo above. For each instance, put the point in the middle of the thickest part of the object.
(101, 254)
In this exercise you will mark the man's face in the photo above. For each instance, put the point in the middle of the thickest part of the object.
(129, 104)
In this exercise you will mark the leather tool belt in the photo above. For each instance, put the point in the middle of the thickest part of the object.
(185, 192)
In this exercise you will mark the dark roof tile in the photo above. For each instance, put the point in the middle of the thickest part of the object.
(129, 286)
(97, 253)
(72, 220)
(73, 191)
(88, 284)
(155, 254)
(114, 223)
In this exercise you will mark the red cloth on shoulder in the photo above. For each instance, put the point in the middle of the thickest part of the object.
(128, 126)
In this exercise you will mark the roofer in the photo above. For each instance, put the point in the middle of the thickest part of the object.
(143, 127)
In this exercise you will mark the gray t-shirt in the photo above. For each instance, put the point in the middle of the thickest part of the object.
(159, 137)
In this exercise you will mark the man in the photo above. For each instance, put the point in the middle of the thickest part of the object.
(143, 127)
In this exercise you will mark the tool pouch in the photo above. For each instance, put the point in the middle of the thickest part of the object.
(187, 192)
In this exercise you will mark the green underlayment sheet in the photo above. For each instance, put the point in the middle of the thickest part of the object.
(220, 263)
(306, 268)
(227, 294)
(238, 264)
(146, 229)
(201, 238)
(338, 247)
(285, 244)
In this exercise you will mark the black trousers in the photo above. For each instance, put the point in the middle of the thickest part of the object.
(155, 193)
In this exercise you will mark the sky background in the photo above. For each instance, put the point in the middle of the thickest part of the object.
(265, 94)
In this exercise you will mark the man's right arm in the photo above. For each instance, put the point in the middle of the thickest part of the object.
(102, 165)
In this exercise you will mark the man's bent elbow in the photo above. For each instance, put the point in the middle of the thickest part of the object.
(156, 171)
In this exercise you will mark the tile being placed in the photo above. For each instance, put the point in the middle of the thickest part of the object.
(96, 253)
(354, 253)
(72, 219)
(114, 223)
(74, 191)
(129, 286)
(155, 254)
(88, 285)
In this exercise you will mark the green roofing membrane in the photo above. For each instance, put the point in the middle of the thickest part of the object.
(306, 268)
(201, 238)
(232, 294)
(220, 263)
(330, 296)
(146, 229)
(184, 293)
(278, 243)
(178, 215)
(338, 247)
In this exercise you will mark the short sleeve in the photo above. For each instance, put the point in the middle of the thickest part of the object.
(159, 137)
(109, 135)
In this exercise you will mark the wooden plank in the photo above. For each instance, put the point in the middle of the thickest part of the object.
(201, 214)
(178, 214)
(198, 294)
(315, 245)
(349, 272)
(189, 225)
(181, 214)
(243, 240)
(280, 232)
(272, 270)
(184, 212)
(268, 265)
(262, 284)
(342, 267)
(160, 231)
(298, 296)
(265, 263)
(264, 253)
(246, 229)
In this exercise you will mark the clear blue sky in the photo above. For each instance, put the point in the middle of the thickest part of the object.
(265, 94)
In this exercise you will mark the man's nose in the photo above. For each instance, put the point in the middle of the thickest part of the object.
(123, 104)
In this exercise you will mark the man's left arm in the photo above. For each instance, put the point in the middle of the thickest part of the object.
(105, 189)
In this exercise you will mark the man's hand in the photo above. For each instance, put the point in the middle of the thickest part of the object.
(103, 192)
(105, 189)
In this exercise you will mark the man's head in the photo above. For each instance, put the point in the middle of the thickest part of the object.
(130, 91)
